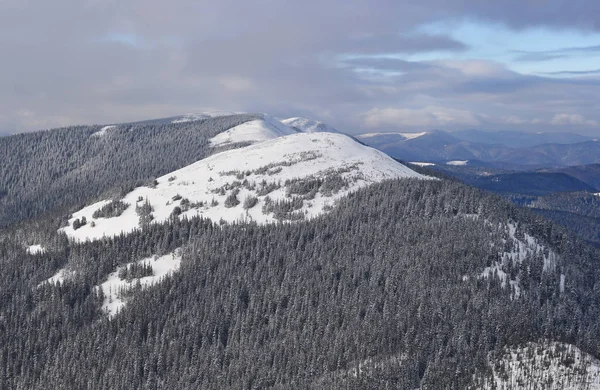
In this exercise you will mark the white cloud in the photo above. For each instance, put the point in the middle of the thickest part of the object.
(515, 120)
(281, 58)
(427, 117)
(236, 83)
(557, 120)
(478, 68)
(572, 119)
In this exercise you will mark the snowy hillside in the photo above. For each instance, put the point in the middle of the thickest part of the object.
(285, 178)
(518, 247)
(550, 366)
(309, 125)
(140, 274)
(254, 131)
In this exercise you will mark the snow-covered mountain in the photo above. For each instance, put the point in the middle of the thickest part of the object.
(283, 175)
(390, 137)
(309, 125)
(258, 130)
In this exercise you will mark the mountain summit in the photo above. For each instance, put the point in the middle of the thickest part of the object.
(271, 172)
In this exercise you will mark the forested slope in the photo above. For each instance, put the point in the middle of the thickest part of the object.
(65, 168)
(388, 290)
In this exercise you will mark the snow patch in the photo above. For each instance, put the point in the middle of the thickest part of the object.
(35, 249)
(457, 163)
(59, 277)
(422, 164)
(115, 289)
(103, 131)
(412, 135)
(299, 176)
(517, 248)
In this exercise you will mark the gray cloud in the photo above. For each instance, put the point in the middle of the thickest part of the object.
(395, 43)
(532, 56)
(539, 56)
(575, 72)
(579, 14)
(93, 61)
(386, 64)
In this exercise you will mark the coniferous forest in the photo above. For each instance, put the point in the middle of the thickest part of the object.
(49, 170)
(384, 291)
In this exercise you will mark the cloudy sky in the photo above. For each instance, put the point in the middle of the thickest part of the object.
(360, 65)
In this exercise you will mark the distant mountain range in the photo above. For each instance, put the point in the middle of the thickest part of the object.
(506, 149)
(531, 183)
(589, 174)
(536, 182)
(519, 139)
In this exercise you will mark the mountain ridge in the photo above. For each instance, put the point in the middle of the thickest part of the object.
(281, 175)
(439, 146)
